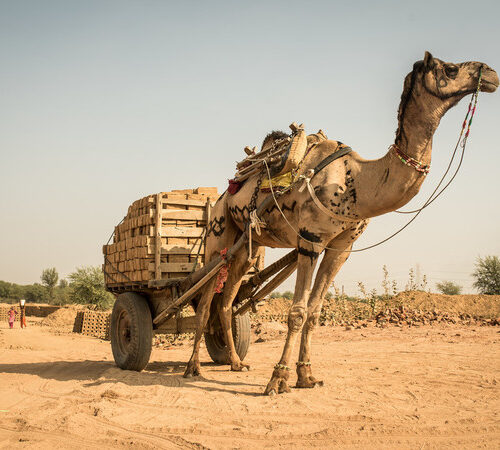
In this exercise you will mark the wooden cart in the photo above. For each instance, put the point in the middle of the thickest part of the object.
(156, 266)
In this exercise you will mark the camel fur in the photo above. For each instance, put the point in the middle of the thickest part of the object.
(350, 186)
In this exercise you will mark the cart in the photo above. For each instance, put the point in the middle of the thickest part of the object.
(156, 266)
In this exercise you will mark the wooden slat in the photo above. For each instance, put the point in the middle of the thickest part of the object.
(181, 231)
(173, 267)
(158, 230)
(183, 214)
(177, 249)
(184, 202)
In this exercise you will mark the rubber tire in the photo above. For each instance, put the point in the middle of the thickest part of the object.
(136, 355)
(216, 346)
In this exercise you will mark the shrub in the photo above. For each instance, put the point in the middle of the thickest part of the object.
(487, 275)
(87, 287)
(449, 288)
(288, 295)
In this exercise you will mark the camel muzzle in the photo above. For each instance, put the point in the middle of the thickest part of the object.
(489, 82)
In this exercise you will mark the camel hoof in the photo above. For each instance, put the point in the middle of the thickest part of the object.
(240, 367)
(309, 383)
(271, 393)
(191, 371)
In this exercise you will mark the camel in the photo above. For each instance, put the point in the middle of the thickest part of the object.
(350, 190)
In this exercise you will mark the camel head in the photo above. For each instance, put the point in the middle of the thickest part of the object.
(451, 81)
(436, 86)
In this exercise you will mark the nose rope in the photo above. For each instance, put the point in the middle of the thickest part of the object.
(474, 97)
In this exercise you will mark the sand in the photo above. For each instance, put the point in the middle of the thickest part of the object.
(425, 387)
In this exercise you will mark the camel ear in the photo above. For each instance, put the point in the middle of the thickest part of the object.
(428, 61)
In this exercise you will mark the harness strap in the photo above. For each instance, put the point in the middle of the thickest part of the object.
(330, 158)
(307, 181)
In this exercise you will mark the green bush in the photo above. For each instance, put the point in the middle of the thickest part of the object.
(87, 288)
(449, 288)
(487, 275)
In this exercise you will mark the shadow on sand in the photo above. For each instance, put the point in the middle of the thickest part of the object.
(95, 373)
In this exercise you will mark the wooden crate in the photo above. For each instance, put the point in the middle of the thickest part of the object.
(161, 237)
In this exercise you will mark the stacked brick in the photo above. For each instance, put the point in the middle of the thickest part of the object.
(4, 313)
(96, 324)
(161, 237)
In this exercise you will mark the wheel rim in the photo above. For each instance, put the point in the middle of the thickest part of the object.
(124, 332)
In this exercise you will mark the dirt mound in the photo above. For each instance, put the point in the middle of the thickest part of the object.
(477, 306)
(274, 309)
(410, 308)
(62, 319)
(266, 331)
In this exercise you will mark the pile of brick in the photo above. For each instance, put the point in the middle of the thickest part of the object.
(412, 317)
(160, 237)
(4, 313)
(93, 323)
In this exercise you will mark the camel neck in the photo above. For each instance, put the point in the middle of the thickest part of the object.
(387, 182)
(418, 125)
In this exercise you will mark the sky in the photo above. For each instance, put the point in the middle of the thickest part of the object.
(104, 102)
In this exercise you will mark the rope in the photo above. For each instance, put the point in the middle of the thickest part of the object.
(256, 222)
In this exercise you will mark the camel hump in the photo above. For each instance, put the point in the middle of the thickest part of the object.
(316, 137)
(282, 152)
(298, 147)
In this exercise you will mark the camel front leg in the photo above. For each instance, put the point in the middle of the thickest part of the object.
(328, 269)
(308, 257)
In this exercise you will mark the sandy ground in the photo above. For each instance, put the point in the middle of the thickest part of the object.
(425, 387)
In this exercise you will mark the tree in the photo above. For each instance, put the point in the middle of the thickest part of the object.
(35, 293)
(49, 280)
(288, 295)
(63, 283)
(87, 287)
(487, 275)
(449, 288)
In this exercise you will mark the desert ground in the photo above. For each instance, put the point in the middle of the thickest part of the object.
(431, 386)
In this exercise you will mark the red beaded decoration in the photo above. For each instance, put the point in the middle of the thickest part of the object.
(409, 161)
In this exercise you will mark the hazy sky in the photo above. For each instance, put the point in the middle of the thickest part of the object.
(103, 102)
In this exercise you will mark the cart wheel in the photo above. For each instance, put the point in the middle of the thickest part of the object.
(216, 345)
(131, 331)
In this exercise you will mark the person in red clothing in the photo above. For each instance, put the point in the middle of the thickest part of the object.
(22, 307)
(12, 316)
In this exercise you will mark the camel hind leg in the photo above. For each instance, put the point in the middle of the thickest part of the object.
(221, 234)
(330, 265)
(240, 265)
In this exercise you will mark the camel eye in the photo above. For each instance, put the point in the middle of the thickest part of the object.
(451, 71)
